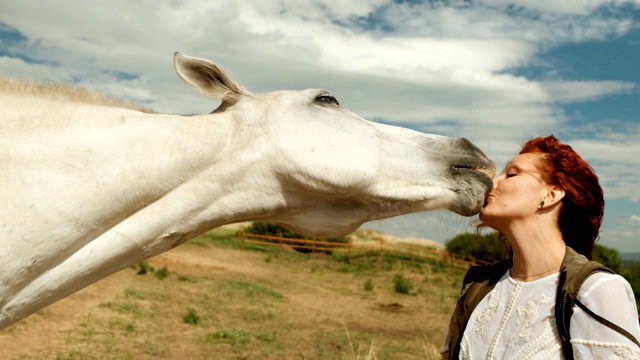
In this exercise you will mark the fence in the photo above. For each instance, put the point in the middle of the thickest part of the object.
(380, 246)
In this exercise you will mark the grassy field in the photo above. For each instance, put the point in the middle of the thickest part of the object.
(208, 299)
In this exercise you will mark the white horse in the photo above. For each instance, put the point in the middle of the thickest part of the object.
(90, 185)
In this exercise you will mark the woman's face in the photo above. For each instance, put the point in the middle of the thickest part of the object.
(516, 193)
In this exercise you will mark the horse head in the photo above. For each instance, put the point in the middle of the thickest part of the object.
(332, 170)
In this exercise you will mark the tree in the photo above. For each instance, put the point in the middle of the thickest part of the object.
(608, 257)
(611, 259)
(277, 230)
(488, 247)
(272, 229)
(631, 272)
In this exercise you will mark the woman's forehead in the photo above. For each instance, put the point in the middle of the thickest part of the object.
(524, 162)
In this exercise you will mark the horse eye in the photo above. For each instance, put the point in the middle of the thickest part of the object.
(326, 98)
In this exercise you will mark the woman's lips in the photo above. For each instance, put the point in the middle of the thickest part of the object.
(486, 201)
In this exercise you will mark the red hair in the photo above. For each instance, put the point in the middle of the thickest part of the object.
(583, 204)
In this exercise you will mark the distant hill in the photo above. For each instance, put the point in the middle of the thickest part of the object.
(634, 256)
(366, 235)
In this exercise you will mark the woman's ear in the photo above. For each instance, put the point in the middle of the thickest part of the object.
(554, 195)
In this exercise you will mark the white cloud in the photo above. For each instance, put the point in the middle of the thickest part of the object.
(453, 60)
(612, 148)
(543, 23)
(576, 91)
(635, 218)
(18, 68)
(443, 69)
(581, 7)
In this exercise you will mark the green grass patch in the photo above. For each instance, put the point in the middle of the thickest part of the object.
(134, 293)
(368, 285)
(162, 273)
(192, 317)
(143, 268)
(402, 285)
(128, 307)
(257, 315)
(246, 289)
(238, 339)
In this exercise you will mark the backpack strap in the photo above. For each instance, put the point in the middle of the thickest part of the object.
(608, 323)
(573, 273)
(478, 281)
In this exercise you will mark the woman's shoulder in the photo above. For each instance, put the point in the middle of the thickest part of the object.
(605, 283)
(610, 297)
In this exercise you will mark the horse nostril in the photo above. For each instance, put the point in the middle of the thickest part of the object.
(462, 167)
(488, 171)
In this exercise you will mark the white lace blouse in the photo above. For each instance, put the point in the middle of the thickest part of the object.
(516, 321)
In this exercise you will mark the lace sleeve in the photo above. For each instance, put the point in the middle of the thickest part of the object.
(611, 297)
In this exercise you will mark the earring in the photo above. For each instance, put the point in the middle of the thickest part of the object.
(541, 204)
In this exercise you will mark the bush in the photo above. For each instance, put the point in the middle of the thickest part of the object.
(192, 317)
(143, 267)
(488, 247)
(631, 272)
(271, 229)
(402, 284)
(608, 257)
(162, 273)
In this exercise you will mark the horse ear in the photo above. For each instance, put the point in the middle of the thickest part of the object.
(207, 78)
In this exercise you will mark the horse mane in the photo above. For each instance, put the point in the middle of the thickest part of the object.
(65, 92)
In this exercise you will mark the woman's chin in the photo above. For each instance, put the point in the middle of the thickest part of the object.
(483, 214)
(486, 217)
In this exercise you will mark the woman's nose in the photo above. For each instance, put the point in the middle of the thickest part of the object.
(496, 180)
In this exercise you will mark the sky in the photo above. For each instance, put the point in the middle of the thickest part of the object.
(497, 72)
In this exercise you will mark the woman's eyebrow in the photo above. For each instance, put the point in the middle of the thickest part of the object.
(517, 166)
(511, 165)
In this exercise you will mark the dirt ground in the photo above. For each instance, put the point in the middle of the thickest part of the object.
(250, 305)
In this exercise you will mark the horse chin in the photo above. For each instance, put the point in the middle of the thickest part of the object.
(468, 210)
(472, 196)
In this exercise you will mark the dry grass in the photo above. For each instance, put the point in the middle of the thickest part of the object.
(218, 302)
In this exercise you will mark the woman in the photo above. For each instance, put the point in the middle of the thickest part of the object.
(548, 205)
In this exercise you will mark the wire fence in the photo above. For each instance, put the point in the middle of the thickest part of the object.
(349, 248)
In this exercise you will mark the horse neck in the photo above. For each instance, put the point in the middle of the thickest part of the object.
(138, 158)
(103, 193)
(77, 178)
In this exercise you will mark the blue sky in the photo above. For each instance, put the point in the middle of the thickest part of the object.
(497, 72)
